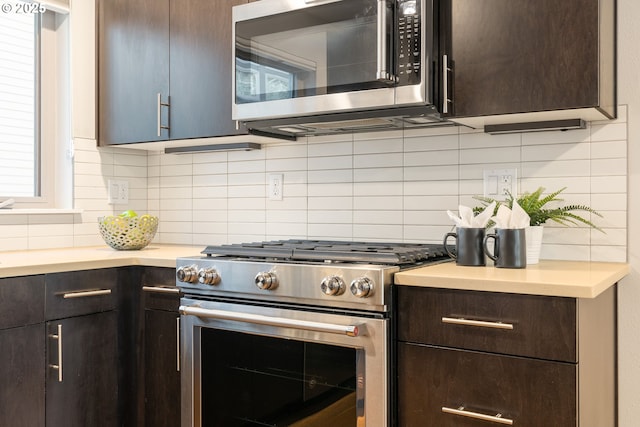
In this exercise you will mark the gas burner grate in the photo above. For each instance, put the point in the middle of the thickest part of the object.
(332, 251)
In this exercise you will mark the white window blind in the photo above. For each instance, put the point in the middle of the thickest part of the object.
(18, 104)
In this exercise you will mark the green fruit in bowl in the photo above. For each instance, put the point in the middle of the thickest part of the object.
(128, 214)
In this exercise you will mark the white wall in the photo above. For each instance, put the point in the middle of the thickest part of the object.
(629, 290)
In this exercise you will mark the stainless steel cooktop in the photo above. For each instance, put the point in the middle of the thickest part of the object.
(331, 274)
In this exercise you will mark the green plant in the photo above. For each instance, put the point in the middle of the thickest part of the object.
(534, 205)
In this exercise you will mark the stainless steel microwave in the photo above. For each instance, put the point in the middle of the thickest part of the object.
(306, 67)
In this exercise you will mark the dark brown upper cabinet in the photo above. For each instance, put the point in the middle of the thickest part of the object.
(523, 56)
(152, 53)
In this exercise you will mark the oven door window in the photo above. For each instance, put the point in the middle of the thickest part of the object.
(252, 380)
(323, 49)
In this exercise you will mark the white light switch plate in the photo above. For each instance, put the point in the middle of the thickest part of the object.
(499, 183)
(118, 192)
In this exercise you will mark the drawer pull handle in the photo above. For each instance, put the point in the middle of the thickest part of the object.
(83, 294)
(479, 323)
(497, 418)
(161, 289)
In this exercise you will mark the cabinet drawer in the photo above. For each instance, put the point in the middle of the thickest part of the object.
(76, 293)
(159, 289)
(521, 325)
(21, 301)
(435, 383)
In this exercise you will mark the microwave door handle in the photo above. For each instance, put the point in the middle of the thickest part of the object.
(383, 73)
(349, 330)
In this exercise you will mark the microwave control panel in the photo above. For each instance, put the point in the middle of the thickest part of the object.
(409, 42)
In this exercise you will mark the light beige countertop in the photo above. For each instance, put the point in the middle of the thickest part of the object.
(24, 263)
(555, 278)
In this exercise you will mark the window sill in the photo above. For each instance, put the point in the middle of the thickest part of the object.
(51, 211)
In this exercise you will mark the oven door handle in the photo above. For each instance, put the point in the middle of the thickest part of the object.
(349, 330)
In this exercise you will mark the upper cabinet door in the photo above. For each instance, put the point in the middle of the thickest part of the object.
(164, 70)
(513, 56)
(201, 67)
(133, 45)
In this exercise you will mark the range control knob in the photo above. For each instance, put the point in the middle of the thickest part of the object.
(187, 274)
(266, 280)
(362, 287)
(208, 276)
(332, 285)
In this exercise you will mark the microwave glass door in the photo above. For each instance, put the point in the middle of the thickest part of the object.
(317, 50)
(251, 380)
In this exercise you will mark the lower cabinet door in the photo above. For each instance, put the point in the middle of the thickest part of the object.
(161, 374)
(22, 376)
(85, 393)
(439, 387)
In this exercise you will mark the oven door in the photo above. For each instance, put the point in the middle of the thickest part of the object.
(246, 365)
(301, 57)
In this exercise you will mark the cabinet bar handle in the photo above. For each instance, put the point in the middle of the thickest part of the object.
(445, 84)
(178, 344)
(497, 418)
(161, 289)
(82, 294)
(58, 367)
(160, 105)
(479, 323)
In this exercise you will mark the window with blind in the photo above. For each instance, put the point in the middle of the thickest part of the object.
(19, 92)
(36, 164)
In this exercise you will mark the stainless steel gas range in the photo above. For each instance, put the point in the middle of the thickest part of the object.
(291, 333)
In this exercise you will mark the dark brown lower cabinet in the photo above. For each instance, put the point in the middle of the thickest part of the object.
(82, 348)
(22, 373)
(91, 348)
(87, 392)
(478, 359)
(22, 351)
(161, 358)
(162, 378)
(449, 388)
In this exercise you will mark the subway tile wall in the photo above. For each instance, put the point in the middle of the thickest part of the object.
(383, 186)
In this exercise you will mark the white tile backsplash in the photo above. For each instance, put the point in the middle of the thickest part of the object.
(391, 185)
(364, 203)
(378, 175)
(609, 150)
(379, 217)
(607, 167)
(390, 144)
(379, 160)
(556, 137)
(609, 132)
(553, 152)
(428, 158)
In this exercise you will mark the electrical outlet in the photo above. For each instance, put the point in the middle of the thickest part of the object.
(499, 183)
(118, 192)
(276, 186)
